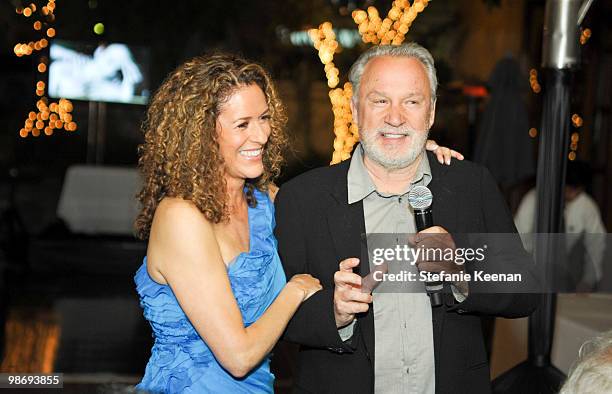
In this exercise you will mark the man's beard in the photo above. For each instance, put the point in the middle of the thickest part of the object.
(393, 160)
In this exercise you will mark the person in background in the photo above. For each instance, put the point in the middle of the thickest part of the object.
(592, 371)
(586, 243)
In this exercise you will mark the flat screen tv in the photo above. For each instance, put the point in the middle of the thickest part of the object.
(110, 72)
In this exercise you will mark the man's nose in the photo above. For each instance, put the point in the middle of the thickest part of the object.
(395, 116)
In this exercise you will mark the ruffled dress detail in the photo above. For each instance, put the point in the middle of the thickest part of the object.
(181, 362)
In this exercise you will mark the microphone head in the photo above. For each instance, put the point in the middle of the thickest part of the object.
(420, 197)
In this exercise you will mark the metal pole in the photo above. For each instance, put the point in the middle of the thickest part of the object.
(101, 135)
(560, 53)
(92, 123)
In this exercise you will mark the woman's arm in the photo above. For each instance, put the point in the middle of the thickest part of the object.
(184, 250)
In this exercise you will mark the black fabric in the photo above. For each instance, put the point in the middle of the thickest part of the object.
(317, 228)
(550, 203)
(503, 144)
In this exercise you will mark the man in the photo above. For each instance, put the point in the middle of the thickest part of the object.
(586, 244)
(592, 370)
(398, 343)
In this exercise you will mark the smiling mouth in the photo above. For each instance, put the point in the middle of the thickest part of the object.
(251, 152)
(393, 135)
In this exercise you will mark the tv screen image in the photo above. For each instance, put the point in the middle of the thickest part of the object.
(110, 72)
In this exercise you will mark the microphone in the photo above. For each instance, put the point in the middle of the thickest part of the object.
(420, 199)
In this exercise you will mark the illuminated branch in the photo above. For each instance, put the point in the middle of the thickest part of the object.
(389, 31)
(49, 116)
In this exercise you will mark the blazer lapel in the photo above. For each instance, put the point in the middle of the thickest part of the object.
(347, 228)
(445, 215)
(443, 206)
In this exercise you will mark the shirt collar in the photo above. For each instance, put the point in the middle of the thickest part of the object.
(360, 184)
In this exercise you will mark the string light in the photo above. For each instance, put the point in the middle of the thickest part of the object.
(533, 81)
(575, 137)
(533, 132)
(324, 40)
(585, 35)
(55, 115)
(393, 28)
(388, 31)
(346, 131)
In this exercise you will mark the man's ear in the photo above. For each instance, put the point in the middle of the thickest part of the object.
(432, 114)
(354, 111)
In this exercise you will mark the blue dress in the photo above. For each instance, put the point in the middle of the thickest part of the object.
(181, 362)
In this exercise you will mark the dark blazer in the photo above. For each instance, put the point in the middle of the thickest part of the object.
(317, 228)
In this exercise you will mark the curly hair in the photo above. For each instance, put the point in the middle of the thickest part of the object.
(180, 154)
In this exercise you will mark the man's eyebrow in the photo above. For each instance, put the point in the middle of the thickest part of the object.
(414, 95)
(377, 93)
(409, 95)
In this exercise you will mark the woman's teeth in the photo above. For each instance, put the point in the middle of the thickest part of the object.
(251, 153)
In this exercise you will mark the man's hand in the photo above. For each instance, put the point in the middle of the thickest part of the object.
(348, 297)
(436, 242)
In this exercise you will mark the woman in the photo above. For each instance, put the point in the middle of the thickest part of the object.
(212, 286)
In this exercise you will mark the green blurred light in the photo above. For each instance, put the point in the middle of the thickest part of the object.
(98, 28)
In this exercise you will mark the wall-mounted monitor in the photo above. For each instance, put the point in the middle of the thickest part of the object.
(110, 72)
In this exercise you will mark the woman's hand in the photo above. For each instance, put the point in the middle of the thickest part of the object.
(306, 283)
(443, 154)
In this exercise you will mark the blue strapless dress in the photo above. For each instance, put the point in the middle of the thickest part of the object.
(181, 362)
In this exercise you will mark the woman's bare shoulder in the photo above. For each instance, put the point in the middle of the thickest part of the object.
(180, 212)
(180, 232)
(178, 223)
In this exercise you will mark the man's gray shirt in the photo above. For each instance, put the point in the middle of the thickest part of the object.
(404, 350)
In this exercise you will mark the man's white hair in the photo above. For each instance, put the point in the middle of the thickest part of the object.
(411, 49)
(592, 371)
